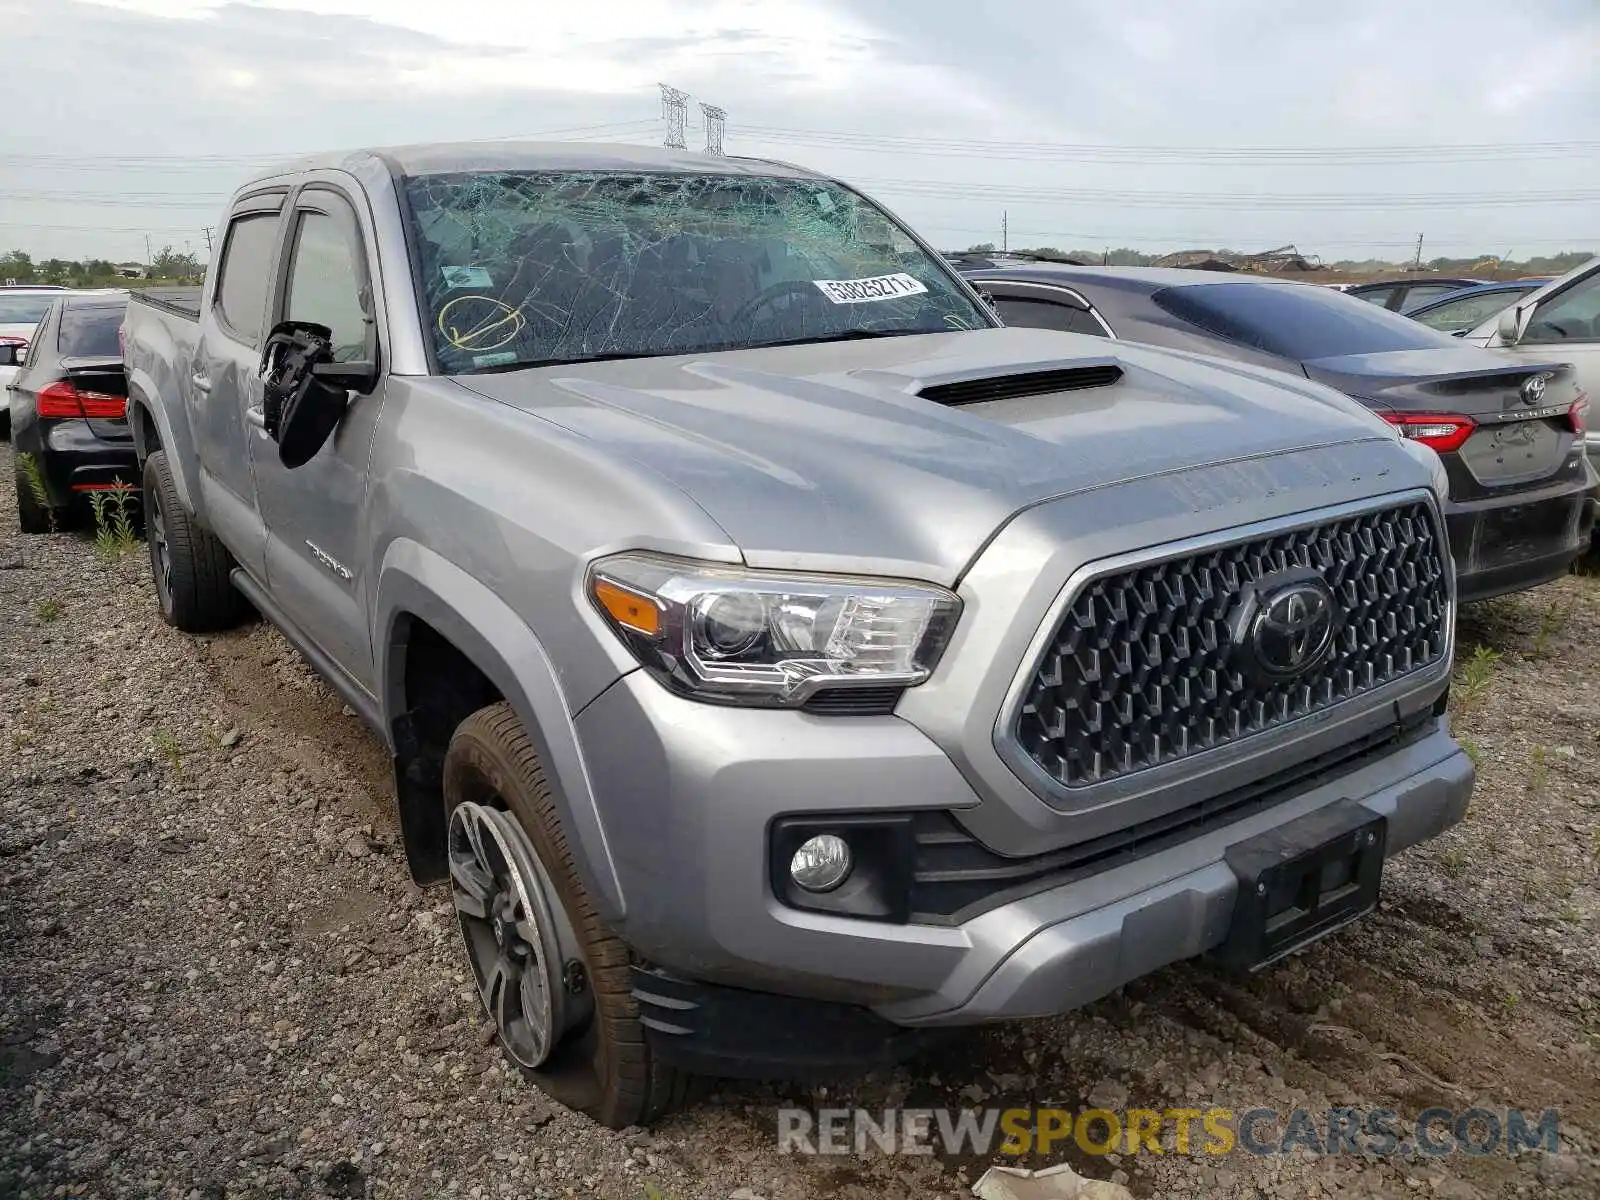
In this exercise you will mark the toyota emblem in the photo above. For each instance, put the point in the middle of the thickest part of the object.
(1533, 390)
(1292, 629)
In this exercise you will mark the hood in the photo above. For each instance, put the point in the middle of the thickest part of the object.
(828, 449)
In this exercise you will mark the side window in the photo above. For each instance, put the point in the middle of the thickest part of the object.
(1046, 314)
(1378, 296)
(246, 268)
(1573, 316)
(325, 284)
(1426, 292)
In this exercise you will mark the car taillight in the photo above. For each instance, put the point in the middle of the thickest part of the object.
(1578, 415)
(1442, 432)
(63, 400)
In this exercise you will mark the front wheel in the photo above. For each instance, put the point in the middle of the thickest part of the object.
(189, 564)
(555, 982)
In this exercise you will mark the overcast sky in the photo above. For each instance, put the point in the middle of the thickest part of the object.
(1086, 123)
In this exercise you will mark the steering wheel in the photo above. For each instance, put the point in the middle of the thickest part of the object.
(771, 295)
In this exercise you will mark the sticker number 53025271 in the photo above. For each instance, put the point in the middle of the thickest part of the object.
(862, 291)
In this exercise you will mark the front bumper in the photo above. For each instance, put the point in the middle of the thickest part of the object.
(699, 786)
(1509, 544)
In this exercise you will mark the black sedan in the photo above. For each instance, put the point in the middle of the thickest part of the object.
(1510, 433)
(1397, 295)
(68, 411)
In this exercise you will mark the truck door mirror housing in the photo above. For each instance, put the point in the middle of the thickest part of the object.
(306, 391)
(1510, 325)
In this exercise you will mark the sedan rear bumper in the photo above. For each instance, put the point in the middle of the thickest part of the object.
(1505, 545)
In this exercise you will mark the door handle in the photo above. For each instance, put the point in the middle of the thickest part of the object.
(256, 417)
(201, 382)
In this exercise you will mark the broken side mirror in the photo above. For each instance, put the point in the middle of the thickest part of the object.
(1509, 326)
(306, 391)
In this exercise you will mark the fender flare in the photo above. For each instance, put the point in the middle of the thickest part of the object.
(416, 581)
(140, 390)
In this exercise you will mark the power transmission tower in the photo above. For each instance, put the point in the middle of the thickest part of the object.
(716, 121)
(675, 111)
(1417, 266)
(1005, 230)
(208, 241)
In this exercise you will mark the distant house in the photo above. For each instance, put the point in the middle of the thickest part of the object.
(133, 270)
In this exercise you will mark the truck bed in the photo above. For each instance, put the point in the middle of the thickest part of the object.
(179, 301)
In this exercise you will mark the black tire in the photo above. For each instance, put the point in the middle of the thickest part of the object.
(33, 517)
(604, 1069)
(189, 565)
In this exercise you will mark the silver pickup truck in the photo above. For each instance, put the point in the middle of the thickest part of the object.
(782, 660)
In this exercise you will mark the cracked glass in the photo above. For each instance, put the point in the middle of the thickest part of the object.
(533, 268)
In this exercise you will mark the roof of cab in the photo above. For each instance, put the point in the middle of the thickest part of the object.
(435, 158)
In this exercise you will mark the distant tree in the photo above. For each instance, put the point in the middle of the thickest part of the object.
(170, 265)
(15, 264)
(982, 248)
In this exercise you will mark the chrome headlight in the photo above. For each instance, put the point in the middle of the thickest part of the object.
(770, 638)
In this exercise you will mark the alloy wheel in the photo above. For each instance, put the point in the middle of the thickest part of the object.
(521, 946)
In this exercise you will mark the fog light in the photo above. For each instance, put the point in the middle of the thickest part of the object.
(821, 863)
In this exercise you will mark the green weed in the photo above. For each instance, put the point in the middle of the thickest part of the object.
(1474, 675)
(1538, 772)
(1474, 752)
(34, 471)
(47, 610)
(114, 534)
(166, 745)
(1551, 622)
(1454, 862)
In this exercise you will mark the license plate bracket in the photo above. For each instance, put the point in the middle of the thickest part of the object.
(1301, 881)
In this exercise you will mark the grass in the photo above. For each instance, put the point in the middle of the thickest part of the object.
(1454, 862)
(166, 745)
(1538, 772)
(114, 534)
(1551, 622)
(1511, 1000)
(1475, 674)
(47, 610)
(41, 494)
(1474, 752)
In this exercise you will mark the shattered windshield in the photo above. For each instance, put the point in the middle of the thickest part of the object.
(529, 268)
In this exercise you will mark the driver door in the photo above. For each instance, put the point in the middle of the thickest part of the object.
(315, 513)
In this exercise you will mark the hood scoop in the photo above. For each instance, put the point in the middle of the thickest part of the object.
(1022, 383)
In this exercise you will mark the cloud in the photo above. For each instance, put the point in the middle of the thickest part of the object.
(237, 81)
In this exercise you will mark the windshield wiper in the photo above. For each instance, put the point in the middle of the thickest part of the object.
(528, 363)
(849, 335)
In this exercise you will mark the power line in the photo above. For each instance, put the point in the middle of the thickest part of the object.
(1195, 155)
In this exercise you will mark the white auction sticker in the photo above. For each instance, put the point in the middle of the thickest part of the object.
(863, 291)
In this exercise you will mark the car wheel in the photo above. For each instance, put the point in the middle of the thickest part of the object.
(33, 517)
(553, 979)
(189, 564)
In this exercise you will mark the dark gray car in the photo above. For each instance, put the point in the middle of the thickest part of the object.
(1510, 434)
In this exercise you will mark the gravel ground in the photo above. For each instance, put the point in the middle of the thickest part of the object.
(217, 981)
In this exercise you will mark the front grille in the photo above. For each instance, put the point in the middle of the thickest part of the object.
(955, 876)
(1142, 669)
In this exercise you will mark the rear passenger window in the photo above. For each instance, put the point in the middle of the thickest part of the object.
(246, 266)
(1046, 314)
(325, 286)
